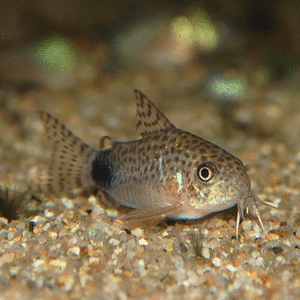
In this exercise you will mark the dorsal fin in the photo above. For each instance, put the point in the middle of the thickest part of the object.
(150, 120)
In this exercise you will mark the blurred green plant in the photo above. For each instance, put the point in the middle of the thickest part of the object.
(55, 53)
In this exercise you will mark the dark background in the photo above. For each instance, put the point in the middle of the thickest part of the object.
(254, 35)
(226, 71)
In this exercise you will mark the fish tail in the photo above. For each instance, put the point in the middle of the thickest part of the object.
(69, 167)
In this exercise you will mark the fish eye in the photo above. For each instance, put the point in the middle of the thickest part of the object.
(206, 172)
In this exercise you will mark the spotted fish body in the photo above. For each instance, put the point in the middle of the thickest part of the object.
(168, 173)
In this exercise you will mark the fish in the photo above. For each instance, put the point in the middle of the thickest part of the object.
(167, 173)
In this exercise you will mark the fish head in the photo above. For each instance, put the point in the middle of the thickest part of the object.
(219, 181)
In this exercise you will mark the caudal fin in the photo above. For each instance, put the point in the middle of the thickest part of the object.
(69, 167)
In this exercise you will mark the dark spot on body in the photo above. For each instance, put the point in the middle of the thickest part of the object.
(78, 182)
(141, 150)
(179, 151)
(173, 150)
(157, 156)
(195, 141)
(173, 140)
(132, 149)
(195, 147)
(186, 154)
(152, 167)
(124, 152)
(82, 148)
(155, 147)
(165, 138)
(166, 152)
(230, 165)
(50, 188)
(102, 169)
(221, 159)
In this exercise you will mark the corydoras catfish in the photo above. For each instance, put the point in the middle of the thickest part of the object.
(167, 173)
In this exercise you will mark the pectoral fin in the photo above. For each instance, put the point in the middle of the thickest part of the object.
(147, 216)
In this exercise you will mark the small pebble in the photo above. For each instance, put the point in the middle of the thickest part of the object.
(114, 242)
(205, 252)
(138, 232)
(11, 235)
(143, 242)
(74, 250)
(217, 262)
(48, 213)
(68, 203)
(58, 263)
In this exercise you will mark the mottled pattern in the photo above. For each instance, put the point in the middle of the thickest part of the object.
(169, 172)
(151, 161)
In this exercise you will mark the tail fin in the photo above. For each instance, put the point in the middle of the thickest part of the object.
(69, 167)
